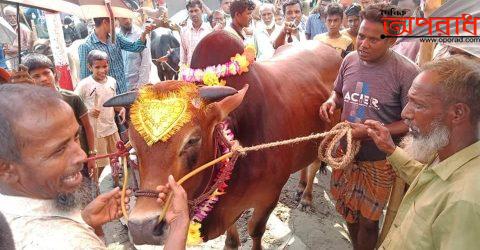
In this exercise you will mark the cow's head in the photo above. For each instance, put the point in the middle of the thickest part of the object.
(172, 125)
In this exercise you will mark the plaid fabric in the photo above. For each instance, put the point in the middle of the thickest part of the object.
(114, 52)
(362, 188)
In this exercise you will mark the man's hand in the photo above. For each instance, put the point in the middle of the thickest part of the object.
(105, 208)
(381, 136)
(178, 213)
(21, 76)
(327, 109)
(359, 131)
(288, 28)
(147, 31)
(95, 113)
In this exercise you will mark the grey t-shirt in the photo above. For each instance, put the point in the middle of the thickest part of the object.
(376, 91)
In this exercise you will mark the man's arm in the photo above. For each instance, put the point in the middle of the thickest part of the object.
(207, 10)
(457, 226)
(137, 46)
(83, 51)
(280, 40)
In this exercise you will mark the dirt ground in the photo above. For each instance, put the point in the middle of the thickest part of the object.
(287, 228)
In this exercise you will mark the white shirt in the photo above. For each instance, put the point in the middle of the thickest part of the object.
(189, 38)
(137, 65)
(264, 42)
(95, 94)
(38, 225)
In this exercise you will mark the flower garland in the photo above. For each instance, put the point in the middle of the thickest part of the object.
(211, 75)
(202, 210)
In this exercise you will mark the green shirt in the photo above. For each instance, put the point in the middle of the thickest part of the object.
(441, 209)
(79, 110)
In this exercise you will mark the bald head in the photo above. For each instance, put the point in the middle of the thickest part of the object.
(19, 101)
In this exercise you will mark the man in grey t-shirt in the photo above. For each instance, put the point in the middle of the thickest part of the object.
(372, 84)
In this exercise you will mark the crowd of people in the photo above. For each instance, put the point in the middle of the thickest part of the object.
(383, 89)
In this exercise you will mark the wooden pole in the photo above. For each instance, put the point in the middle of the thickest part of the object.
(19, 42)
(396, 196)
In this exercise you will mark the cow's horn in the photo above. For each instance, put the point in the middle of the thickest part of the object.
(122, 100)
(216, 93)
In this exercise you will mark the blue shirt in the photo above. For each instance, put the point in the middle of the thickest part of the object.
(114, 52)
(315, 26)
(3, 63)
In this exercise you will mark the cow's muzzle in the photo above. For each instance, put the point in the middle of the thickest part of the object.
(148, 230)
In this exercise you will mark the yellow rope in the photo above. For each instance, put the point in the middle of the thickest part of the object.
(124, 188)
(331, 137)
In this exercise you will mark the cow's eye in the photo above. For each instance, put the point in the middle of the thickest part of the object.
(192, 142)
(191, 150)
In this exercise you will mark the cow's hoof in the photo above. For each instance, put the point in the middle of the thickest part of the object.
(305, 206)
(298, 194)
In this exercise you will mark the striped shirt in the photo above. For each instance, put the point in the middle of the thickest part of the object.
(115, 60)
(189, 38)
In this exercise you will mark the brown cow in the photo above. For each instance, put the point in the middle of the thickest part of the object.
(282, 102)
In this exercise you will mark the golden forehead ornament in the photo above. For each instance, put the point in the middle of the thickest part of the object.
(157, 116)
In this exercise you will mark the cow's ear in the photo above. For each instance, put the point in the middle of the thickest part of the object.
(230, 103)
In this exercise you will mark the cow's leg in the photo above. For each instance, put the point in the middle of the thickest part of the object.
(302, 183)
(233, 239)
(160, 72)
(258, 223)
(306, 202)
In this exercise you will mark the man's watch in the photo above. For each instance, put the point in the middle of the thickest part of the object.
(92, 152)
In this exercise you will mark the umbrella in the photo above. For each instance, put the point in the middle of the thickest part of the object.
(7, 34)
(87, 9)
(84, 9)
(49, 5)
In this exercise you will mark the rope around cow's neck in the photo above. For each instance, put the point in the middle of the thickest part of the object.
(326, 151)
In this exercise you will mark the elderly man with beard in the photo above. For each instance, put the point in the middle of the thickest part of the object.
(40, 164)
(137, 64)
(441, 209)
(266, 31)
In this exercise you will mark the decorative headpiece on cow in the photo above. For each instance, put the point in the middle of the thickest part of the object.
(211, 75)
(156, 115)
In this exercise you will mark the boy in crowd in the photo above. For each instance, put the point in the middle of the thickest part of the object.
(342, 43)
(353, 22)
(41, 71)
(96, 90)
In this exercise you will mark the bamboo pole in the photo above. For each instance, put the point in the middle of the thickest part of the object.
(396, 196)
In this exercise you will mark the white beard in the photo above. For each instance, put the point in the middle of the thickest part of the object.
(423, 147)
(269, 26)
